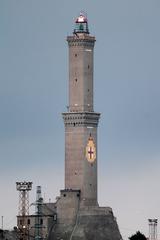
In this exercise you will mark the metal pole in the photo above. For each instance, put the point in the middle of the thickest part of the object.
(2, 228)
(2, 222)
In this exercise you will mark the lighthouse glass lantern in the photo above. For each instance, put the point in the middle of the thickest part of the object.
(81, 24)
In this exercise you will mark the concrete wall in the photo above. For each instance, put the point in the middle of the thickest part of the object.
(67, 206)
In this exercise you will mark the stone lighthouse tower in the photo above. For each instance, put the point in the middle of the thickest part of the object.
(79, 216)
(81, 121)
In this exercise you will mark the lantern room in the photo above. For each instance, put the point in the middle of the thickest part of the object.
(81, 24)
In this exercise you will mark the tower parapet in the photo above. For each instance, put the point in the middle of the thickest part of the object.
(81, 40)
(81, 119)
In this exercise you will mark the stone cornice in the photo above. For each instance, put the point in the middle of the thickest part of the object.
(81, 119)
(84, 40)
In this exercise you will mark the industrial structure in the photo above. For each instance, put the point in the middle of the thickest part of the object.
(152, 229)
(23, 188)
(38, 214)
(37, 225)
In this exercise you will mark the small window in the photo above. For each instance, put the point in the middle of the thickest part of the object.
(88, 90)
(76, 80)
(28, 221)
(75, 55)
(41, 221)
(64, 195)
(88, 66)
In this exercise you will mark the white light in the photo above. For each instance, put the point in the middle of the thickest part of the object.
(88, 50)
(81, 19)
(89, 127)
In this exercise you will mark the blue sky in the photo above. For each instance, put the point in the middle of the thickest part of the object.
(33, 93)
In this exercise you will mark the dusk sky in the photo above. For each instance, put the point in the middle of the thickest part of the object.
(34, 93)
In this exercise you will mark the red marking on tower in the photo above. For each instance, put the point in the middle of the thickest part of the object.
(90, 152)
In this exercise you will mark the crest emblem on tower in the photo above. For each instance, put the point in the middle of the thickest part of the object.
(90, 150)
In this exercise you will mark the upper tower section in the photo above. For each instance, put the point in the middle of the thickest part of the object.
(81, 46)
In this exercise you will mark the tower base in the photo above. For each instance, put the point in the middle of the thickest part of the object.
(83, 223)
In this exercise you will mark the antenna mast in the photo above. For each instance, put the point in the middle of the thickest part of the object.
(38, 215)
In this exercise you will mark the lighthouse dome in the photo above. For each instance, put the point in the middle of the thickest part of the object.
(81, 19)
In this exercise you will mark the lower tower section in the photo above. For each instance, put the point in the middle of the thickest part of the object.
(81, 155)
(75, 222)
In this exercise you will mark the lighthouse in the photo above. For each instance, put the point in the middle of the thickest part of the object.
(81, 121)
(78, 214)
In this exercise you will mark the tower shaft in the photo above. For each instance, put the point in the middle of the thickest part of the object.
(81, 121)
(81, 48)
